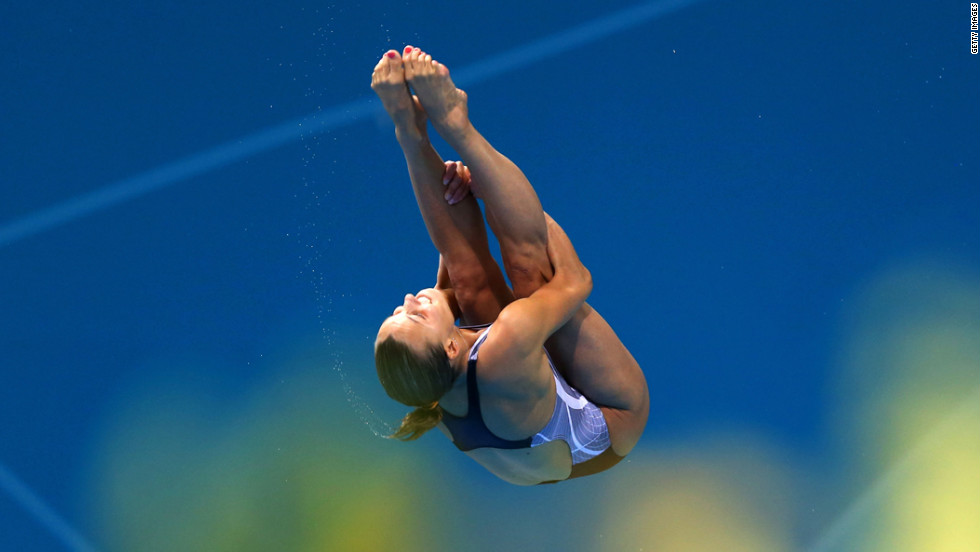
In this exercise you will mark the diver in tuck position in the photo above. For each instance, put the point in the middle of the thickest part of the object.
(490, 384)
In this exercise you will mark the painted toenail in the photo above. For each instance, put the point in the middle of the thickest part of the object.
(408, 49)
(391, 55)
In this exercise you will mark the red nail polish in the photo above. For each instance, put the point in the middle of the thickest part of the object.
(391, 54)
(408, 49)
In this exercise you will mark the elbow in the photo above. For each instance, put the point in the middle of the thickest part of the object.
(586, 284)
(582, 285)
(576, 283)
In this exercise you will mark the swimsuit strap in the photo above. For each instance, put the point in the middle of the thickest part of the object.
(470, 431)
(472, 393)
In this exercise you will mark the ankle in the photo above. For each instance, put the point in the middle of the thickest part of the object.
(410, 137)
(457, 135)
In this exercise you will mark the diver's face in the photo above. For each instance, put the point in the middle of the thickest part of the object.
(422, 320)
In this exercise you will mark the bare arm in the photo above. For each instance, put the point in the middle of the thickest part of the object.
(529, 322)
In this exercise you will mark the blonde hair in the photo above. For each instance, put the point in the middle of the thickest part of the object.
(417, 422)
(414, 380)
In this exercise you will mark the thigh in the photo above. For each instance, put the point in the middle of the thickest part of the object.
(525, 258)
(590, 356)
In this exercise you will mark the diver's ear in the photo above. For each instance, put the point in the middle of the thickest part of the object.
(452, 348)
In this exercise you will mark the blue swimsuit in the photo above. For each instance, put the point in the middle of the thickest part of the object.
(575, 420)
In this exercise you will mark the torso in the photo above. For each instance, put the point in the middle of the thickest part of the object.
(513, 412)
(529, 466)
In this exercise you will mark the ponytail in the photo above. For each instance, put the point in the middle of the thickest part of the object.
(417, 422)
(414, 381)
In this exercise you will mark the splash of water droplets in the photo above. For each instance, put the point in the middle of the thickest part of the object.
(314, 242)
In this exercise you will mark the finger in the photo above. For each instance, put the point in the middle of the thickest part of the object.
(454, 180)
(456, 191)
(460, 195)
(453, 187)
(449, 173)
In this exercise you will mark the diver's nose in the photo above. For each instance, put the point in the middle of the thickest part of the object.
(410, 299)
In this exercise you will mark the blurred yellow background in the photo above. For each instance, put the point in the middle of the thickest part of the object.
(290, 465)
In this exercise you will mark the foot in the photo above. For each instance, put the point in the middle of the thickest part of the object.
(444, 103)
(388, 82)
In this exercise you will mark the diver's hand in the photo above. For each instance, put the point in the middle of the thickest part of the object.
(457, 180)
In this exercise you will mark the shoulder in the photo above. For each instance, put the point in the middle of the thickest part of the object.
(523, 322)
(510, 331)
(509, 364)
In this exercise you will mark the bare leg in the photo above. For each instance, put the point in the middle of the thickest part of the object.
(597, 363)
(458, 231)
(520, 228)
(587, 350)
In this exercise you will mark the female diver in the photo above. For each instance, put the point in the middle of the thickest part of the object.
(490, 384)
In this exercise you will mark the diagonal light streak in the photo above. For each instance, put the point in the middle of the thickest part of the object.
(563, 41)
(183, 169)
(322, 121)
(966, 413)
(43, 513)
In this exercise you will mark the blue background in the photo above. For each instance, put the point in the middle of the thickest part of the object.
(731, 173)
